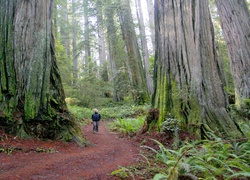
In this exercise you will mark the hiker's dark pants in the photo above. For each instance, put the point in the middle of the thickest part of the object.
(95, 126)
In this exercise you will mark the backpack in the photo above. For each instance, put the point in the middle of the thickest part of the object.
(96, 117)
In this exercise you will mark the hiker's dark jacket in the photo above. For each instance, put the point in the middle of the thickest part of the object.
(96, 117)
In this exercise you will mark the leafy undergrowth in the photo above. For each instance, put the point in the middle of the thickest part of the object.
(194, 159)
(146, 167)
(108, 113)
(128, 126)
(189, 159)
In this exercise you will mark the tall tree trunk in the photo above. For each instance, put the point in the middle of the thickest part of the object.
(150, 8)
(145, 54)
(187, 81)
(135, 63)
(235, 23)
(31, 95)
(101, 41)
(55, 24)
(64, 27)
(74, 46)
(115, 52)
(87, 55)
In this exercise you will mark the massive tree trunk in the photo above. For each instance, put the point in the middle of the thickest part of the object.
(31, 94)
(187, 81)
(140, 91)
(235, 23)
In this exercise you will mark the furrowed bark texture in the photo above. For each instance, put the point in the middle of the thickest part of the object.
(139, 85)
(187, 81)
(31, 95)
(235, 23)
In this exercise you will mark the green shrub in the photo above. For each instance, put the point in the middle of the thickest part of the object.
(109, 112)
(124, 111)
(205, 160)
(80, 113)
(169, 125)
(72, 101)
(127, 126)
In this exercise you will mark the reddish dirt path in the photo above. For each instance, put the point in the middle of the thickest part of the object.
(70, 161)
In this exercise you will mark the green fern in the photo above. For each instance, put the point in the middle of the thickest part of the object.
(204, 159)
(127, 126)
(240, 174)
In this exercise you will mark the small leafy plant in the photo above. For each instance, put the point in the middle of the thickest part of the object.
(205, 160)
(127, 126)
(169, 125)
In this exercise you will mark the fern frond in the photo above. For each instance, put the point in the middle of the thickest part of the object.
(173, 173)
(240, 174)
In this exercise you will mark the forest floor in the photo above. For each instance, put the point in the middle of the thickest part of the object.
(32, 159)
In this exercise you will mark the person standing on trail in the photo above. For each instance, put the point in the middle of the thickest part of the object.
(96, 117)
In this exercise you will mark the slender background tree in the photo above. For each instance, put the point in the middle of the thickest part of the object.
(140, 90)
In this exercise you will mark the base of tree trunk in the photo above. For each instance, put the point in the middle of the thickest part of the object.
(58, 127)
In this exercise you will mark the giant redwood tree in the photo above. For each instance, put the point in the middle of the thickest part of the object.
(31, 95)
(187, 75)
(139, 84)
(235, 23)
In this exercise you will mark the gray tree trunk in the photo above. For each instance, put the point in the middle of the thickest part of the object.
(116, 54)
(87, 52)
(140, 91)
(235, 23)
(187, 80)
(32, 101)
(64, 27)
(74, 46)
(150, 8)
(101, 42)
(144, 46)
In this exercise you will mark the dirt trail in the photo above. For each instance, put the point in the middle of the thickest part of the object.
(69, 161)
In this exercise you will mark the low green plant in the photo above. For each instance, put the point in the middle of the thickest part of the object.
(204, 159)
(80, 113)
(43, 150)
(109, 112)
(3, 137)
(127, 126)
(123, 173)
(173, 159)
(124, 111)
(7, 150)
(170, 125)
